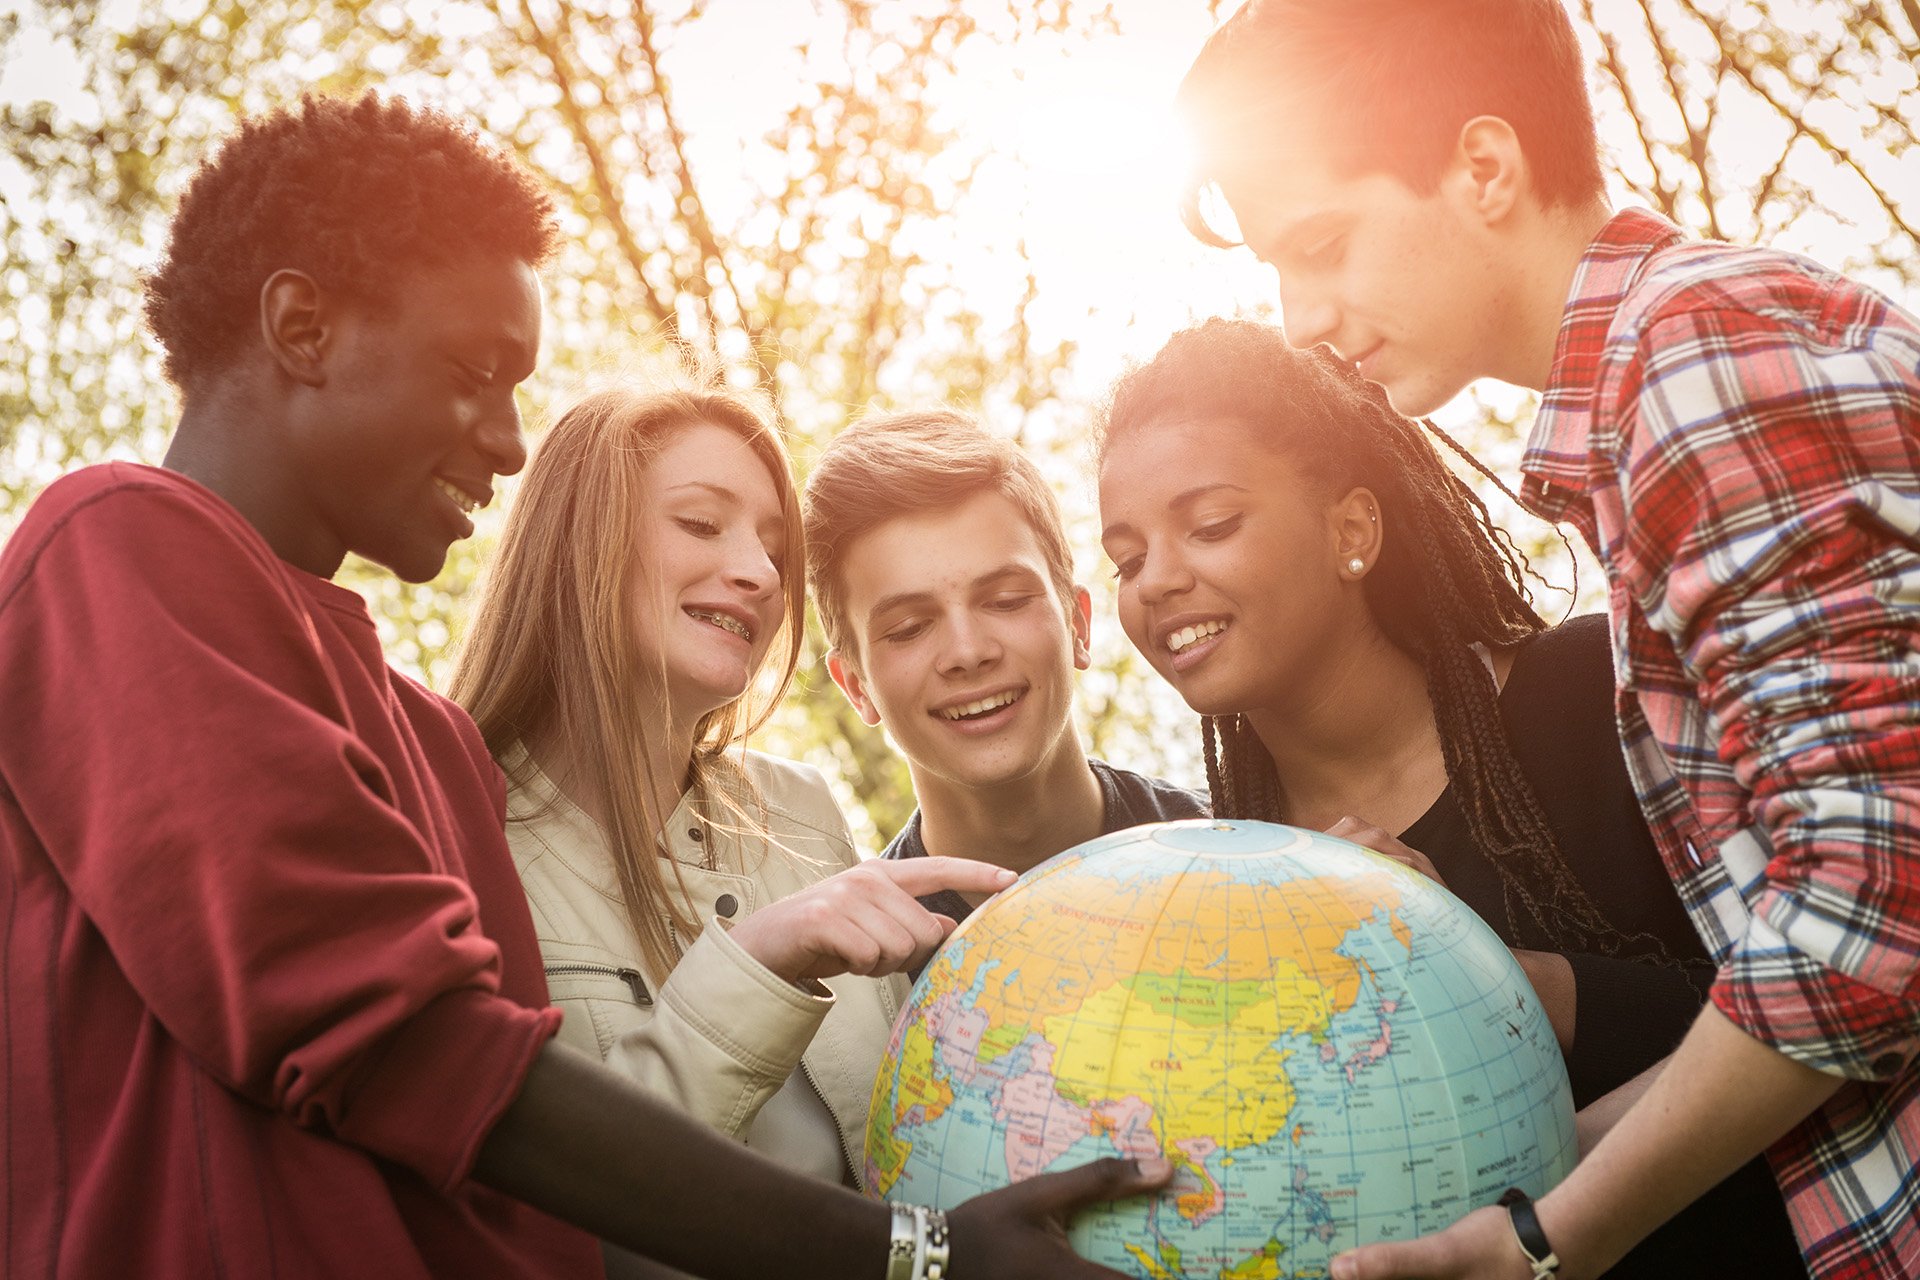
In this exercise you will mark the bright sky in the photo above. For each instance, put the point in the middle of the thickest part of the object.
(1085, 153)
(1083, 144)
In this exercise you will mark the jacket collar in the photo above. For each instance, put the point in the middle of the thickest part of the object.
(538, 794)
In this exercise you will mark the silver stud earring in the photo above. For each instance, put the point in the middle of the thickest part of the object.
(1356, 566)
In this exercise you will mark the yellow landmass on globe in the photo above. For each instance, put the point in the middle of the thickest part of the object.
(918, 1085)
(914, 1086)
(1169, 990)
(1166, 1267)
(1222, 1083)
(1264, 1265)
(1058, 952)
(887, 1152)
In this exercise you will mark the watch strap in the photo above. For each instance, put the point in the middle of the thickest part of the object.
(1526, 1229)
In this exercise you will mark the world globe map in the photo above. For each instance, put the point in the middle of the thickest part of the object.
(1330, 1048)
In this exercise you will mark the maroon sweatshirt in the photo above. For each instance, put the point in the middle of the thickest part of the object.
(266, 973)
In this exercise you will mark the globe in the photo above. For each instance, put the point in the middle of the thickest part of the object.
(1330, 1049)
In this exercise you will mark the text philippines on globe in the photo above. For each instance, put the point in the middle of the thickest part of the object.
(1331, 1048)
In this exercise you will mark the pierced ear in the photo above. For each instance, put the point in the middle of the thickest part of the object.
(1358, 535)
(1082, 628)
(848, 678)
(1491, 166)
(294, 325)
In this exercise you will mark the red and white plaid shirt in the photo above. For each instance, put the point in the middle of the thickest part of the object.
(1737, 434)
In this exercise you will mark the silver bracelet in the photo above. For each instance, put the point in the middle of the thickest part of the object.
(903, 1244)
(939, 1244)
(919, 1247)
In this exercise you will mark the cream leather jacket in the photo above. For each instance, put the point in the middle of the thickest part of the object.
(722, 1036)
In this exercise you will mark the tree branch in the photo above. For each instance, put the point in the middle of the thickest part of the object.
(1696, 138)
(612, 205)
(1748, 73)
(689, 207)
(1665, 197)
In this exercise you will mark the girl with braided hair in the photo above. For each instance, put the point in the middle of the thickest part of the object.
(1357, 636)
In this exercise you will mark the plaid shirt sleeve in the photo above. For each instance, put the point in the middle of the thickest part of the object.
(1769, 457)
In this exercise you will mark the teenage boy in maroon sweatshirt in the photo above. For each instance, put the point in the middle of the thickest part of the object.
(272, 999)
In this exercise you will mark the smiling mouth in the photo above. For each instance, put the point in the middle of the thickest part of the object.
(467, 503)
(980, 707)
(1186, 637)
(725, 621)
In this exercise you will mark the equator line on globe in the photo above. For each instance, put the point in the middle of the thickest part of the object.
(1332, 1050)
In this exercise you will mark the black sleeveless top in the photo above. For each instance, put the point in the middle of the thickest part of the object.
(1557, 707)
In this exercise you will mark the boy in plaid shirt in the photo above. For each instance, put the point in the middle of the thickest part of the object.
(1737, 434)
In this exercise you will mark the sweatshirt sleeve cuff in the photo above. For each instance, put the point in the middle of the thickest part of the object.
(443, 1081)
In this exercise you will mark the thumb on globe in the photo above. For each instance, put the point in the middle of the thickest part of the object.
(1425, 1258)
(1353, 1265)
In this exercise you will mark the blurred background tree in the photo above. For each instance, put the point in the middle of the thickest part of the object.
(852, 203)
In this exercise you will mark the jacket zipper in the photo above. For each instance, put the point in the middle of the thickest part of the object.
(846, 1148)
(631, 977)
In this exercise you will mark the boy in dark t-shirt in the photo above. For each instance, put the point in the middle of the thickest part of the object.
(943, 580)
(273, 1002)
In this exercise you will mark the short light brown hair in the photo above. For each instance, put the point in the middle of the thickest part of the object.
(889, 465)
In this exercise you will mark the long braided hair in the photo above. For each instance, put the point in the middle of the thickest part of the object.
(1446, 578)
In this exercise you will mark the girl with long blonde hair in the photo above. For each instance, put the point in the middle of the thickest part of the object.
(704, 920)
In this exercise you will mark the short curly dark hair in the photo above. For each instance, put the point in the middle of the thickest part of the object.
(355, 192)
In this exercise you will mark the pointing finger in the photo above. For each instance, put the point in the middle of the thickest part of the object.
(922, 876)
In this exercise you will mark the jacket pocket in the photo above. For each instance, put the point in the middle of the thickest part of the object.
(583, 980)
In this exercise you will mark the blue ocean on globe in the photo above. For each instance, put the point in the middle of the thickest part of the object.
(1330, 1048)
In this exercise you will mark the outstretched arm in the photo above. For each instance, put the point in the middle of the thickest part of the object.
(584, 1144)
(760, 973)
(1597, 1119)
(1691, 1128)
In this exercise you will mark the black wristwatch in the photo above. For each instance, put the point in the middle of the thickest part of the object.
(1526, 1229)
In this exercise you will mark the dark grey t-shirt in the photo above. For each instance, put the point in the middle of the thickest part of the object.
(1131, 799)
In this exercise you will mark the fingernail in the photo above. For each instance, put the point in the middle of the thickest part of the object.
(1005, 876)
(1343, 1268)
(1152, 1167)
